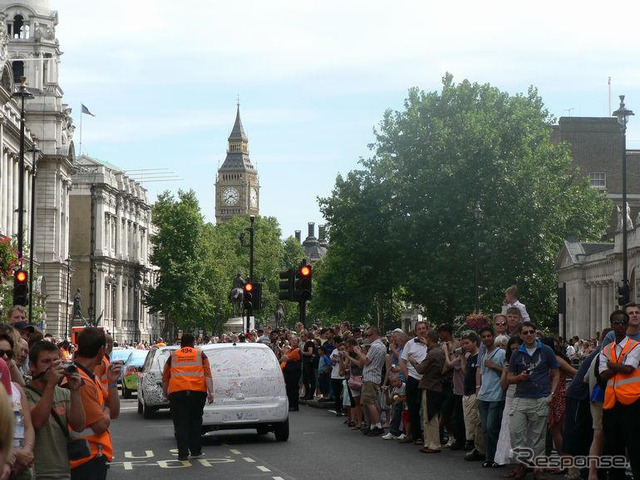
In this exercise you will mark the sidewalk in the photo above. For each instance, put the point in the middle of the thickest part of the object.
(318, 404)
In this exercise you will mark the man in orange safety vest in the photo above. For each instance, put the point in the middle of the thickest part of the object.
(619, 362)
(187, 382)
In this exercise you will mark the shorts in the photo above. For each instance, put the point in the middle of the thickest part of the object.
(370, 393)
(596, 414)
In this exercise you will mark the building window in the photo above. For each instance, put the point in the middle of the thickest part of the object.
(598, 179)
(18, 70)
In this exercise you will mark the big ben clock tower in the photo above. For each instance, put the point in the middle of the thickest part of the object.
(237, 187)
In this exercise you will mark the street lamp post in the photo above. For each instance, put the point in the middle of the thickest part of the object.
(22, 93)
(32, 229)
(66, 320)
(623, 115)
(251, 220)
(477, 214)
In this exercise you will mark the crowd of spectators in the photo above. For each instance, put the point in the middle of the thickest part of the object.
(435, 387)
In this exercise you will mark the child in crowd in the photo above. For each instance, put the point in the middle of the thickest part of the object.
(324, 372)
(396, 399)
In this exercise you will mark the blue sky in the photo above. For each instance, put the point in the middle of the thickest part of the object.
(314, 79)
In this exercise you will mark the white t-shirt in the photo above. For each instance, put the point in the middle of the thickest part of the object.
(570, 352)
(418, 352)
(335, 365)
(632, 358)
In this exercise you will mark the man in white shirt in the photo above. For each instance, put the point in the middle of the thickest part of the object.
(619, 364)
(417, 349)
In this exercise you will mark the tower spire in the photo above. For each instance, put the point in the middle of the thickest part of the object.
(237, 133)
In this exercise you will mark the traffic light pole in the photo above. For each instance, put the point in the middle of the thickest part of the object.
(249, 312)
(251, 219)
(303, 313)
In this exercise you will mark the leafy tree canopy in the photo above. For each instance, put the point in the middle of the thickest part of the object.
(405, 221)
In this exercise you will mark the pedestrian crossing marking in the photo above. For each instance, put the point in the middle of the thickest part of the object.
(262, 468)
(249, 460)
(237, 452)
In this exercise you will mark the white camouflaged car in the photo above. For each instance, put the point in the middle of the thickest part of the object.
(150, 396)
(248, 388)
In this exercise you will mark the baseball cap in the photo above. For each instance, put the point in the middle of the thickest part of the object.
(24, 326)
(398, 330)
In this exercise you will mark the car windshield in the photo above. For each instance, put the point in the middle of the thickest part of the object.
(137, 358)
(161, 358)
(120, 355)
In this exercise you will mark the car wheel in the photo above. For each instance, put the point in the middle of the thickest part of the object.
(139, 406)
(126, 393)
(281, 431)
(147, 412)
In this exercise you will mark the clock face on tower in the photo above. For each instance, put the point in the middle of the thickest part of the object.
(230, 196)
(254, 197)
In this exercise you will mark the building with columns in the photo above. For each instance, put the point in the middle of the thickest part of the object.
(9, 160)
(31, 49)
(109, 250)
(237, 185)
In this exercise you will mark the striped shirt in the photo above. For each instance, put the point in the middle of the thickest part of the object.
(377, 355)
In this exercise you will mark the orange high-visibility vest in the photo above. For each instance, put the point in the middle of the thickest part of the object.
(99, 444)
(622, 388)
(187, 371)
(102, 370)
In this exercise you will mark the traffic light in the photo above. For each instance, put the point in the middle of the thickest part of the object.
(623, 294)
(21, 288)
(247, 298)
(286, 287)
(257, 296)
(302, 290)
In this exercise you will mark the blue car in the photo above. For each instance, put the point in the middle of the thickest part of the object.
(131, 368)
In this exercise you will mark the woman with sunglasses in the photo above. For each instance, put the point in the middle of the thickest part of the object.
(21, 459)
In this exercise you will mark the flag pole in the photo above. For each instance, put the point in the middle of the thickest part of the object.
(81, 128)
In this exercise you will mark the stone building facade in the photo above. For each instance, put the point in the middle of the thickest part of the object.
(592, 273)
(28, 36)
(110, 248)
(596, 146)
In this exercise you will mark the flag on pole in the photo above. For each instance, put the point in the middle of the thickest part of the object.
(86, 110)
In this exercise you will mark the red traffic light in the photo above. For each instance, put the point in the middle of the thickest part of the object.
(21, 276)
(305, 271)
(248, 287)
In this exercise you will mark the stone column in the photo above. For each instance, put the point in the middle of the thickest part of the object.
(604, 308)
(118, 306)
(100, 288)
(593, 312)
(100, 250)
(3, 186)
(14, 203)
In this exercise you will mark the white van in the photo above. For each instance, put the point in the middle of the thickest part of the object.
(248, 390)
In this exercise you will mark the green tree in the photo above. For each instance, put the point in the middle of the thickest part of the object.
(293, 253)
(180, 292)
(231, 255)
(405, 220)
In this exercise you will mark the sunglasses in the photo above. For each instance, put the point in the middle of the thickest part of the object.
(501, 323)
(528, 332)
(619, 322)
(8, 353)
